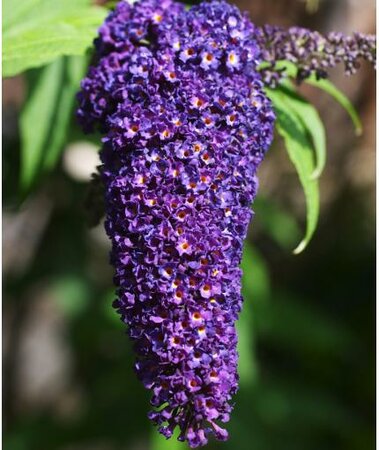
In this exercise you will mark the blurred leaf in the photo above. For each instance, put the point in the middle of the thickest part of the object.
(312, 6)
(255, 277)
(15, 442)
(159, 442)
(37, 117)
(72, 295)
(111, 4)
(75, 69)
(299, 150)
(247, 365)
(280, 225)
(255, 289)
(109, 312)
(293, 324)
(311, 120)
(341, 98)
(20, 13)
(37, 32)
(286, 66)
(289, 404)
(45, 118)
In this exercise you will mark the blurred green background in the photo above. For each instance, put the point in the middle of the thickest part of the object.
(307, 330)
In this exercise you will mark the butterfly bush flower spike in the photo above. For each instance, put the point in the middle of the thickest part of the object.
(311, 52)
(179, 99)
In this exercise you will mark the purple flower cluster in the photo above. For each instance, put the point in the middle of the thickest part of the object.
(185, 121)
(312, 52)
(178, 96)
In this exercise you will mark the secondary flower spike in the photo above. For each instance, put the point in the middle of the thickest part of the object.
(312, 52)
(179, 99)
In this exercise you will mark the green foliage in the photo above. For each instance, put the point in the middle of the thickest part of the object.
(277, 223)
(288, 317)
(295, 136)
(311, 120)
(36, 32)
(71, 294)
(45, 118)
(31, 40)
(36, 119)
(327, 86)
(75, 69)
(297, 121)
(255, 288)
(109, 312)
(341, 98)
(159, 442)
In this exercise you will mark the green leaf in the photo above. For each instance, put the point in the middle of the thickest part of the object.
(327, 86)
(341, 98)
(311, 120)
(36, 119)
(74, 72)
(291, 128)
(46, 116)
(286, 66)
(23, 12)
(54, 32)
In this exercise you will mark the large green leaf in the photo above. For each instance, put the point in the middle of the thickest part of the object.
(46, 115)
(311, 120)
(25, 13)
(295, 136)
(38, 31)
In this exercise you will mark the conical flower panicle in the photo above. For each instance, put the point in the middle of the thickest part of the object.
(178, 96)
(185, 121)
(186, 125)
